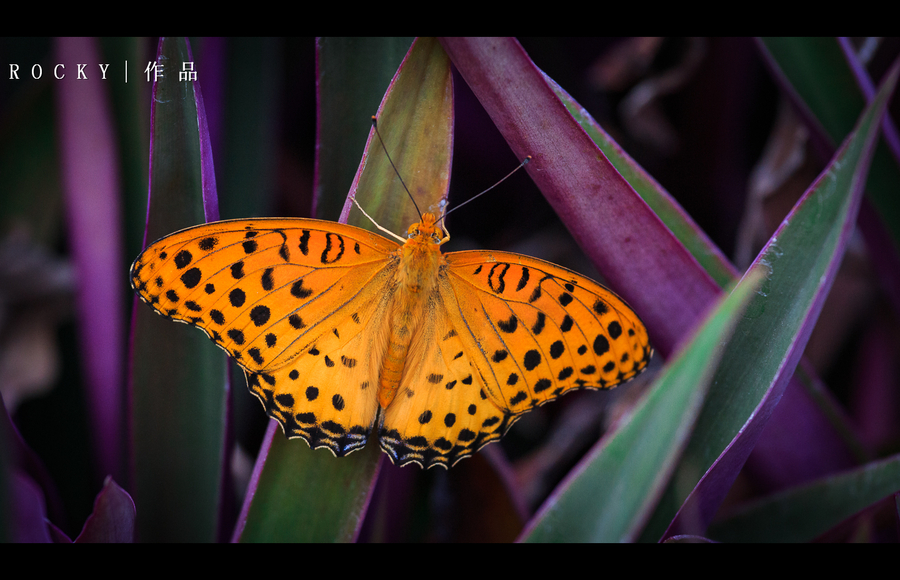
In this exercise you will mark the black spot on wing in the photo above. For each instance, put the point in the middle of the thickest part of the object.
(615, 329)
(496, 276)
(260, 314)
(191, 278)
(523, 279)
(334, 248)
(509, 325)
(538, 325)
(182, 259)
(299, 291)
(267, 282)
(304, 242)
(237, 297)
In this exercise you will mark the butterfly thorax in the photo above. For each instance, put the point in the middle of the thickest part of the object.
(420, 262)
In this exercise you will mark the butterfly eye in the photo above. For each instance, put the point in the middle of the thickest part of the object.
(412, 234)
(436, 238)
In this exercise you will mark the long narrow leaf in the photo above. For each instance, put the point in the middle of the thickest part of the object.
(301, 495)
(811, 414)
(610, 495)
(91, 183)
(660, 201)
(416, 122)
(516, 96)
(635, 252)
(351, 75)
(803, 513)
(179, 384)
(815, 72)
(802, 257)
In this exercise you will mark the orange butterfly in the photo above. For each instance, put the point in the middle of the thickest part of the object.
(340, 330)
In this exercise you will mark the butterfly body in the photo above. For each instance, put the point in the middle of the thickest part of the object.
(420, 261)
(342, 332)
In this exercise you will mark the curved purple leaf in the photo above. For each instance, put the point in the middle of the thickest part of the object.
(112, 520)
(90, 170)
(504, 79)
(630, 246)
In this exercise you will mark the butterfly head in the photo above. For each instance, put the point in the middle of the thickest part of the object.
(427, 230)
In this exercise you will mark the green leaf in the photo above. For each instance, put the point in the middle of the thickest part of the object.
(802, 258)
(609, 496)
(179, 386)
(817, 70)
(305, 495)
(131, 107)
(247, 176)
(802, 513)
(352, 75)
(310, 496)
(416, 122)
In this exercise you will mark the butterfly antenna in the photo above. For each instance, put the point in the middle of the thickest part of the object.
(383, 146)
(521, 165)
(376, 224)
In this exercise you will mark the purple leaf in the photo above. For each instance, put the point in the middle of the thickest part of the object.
(631, 247)
(90, 169)
(112, 520)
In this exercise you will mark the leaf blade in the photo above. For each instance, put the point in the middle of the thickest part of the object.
(178, 377)
(802, 513)
(802, 256)
(301, 495)
(615, 488)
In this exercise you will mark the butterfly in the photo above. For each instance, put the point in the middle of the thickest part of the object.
(342, 332)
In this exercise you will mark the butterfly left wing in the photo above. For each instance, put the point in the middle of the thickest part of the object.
(298, 303)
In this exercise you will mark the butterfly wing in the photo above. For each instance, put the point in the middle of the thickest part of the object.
(506, 333)
(298, 303)
(441, 412)
(542, 329)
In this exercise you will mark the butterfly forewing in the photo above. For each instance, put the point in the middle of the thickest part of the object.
(540, 330)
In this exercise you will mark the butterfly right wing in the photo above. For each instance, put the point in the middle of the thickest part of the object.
(537, 330)
(300, 304)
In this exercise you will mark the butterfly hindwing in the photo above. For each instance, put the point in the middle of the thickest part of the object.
(441, 412)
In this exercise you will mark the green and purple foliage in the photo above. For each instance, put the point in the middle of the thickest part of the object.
(753, 224)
